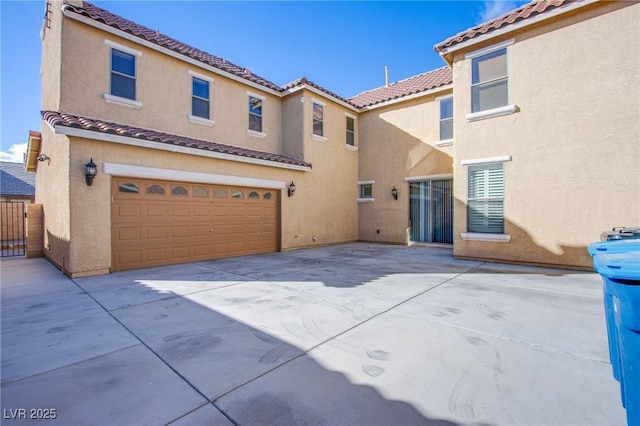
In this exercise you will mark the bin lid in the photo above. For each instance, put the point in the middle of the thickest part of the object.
(619, 266)
(616, 246)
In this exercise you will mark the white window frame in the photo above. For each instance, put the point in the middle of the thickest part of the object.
(482, 236)
(449, 141)
(194, 118)
(322, 137)
(250, 132)
(346, 145)
(499, 111)
(362, 184)
(118, 100)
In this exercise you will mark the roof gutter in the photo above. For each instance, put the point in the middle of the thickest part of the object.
(447, 53)
(131, 141)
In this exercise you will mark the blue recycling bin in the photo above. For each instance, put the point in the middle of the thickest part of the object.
(615, 246)
(620, 272)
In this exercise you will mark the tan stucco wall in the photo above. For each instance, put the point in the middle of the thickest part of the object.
(50, 67)
(396, 142)
(575, 168)
(163, 86)
(52, 191)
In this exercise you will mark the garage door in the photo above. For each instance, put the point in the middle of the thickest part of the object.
(159, 223)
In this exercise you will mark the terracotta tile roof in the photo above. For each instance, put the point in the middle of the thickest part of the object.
(153, 36)
(100, 126)
(303, 81)
(526, 11)
(412, 85)
(14, 180)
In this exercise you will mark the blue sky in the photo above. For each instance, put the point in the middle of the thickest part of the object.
(342, 46)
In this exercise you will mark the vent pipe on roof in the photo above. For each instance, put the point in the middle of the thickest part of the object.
(386, 76)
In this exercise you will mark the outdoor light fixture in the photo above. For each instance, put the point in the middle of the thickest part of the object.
(292, 189)
(43, 157)
(91, 170)
(394, 192)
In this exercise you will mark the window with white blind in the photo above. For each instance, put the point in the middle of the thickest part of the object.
(485, 199)
(446, 118)
(489, 81)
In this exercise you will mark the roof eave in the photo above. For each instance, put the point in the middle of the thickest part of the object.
(428, 92)
(33, 150)
(447, 53)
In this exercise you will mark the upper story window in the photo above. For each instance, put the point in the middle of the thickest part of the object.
(255, 114)
(318, 119)
(351, 135)
(489, 81)
(200, 98)
(446, 118)
(123, 74)
(485, 199)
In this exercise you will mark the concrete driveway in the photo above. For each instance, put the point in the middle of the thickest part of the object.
(356, 334)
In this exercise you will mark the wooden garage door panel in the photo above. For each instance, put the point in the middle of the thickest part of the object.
(156, 223)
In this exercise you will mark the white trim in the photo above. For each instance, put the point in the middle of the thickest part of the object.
(350, 147)
(366, 182)
(318, 137)
(516, 26)
(123, 48)
(200, 76)
(489, 49)
(107, 137)
(164, 50)
(365, 200)
(256, 134)
(429, 177)
(121, 101)
(346, 114)
(488, 160)
(129, 170)
(200, 120)
(443, 97)
(490, 113)
(410, 97)
(479, 236)
(322, 104)
(255, 95)
(444, 142)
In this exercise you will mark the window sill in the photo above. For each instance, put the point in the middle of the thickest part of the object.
(256, 134)
(490, 113)
(200, 120)
(121, 101)
(479, 236)
(445, 142)
(351, 147)
(318, 137)
(365, 200)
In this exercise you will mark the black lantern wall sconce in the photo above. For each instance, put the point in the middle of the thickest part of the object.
(292, 189)
(91, 170)
(394, 193)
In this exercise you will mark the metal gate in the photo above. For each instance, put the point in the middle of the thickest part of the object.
(12, 235)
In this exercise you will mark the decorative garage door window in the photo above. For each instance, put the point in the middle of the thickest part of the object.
(128, 188)
(155, 189)
(179, 190)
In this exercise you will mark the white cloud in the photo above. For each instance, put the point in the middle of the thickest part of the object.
(15, 154)
(494, 8)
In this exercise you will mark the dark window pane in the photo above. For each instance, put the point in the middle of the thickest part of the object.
(317, 127)
(123, 63)
(255, 105)
(489, 67)
(122, 86)
(200, 88)
(446, 129)
(255, 123)
(179, 190)
(128, 188)
(350, 125)
(317, 112)
(200, 108)
(155, 189)
(350, 138)
(446, 108)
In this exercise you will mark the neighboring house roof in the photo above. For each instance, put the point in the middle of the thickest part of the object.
(410, 86)
(14, 180)
(526, 11)
(100, 126)
(304, 82)
(153, 36)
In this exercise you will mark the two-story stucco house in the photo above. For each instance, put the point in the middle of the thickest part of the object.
(523, 147)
